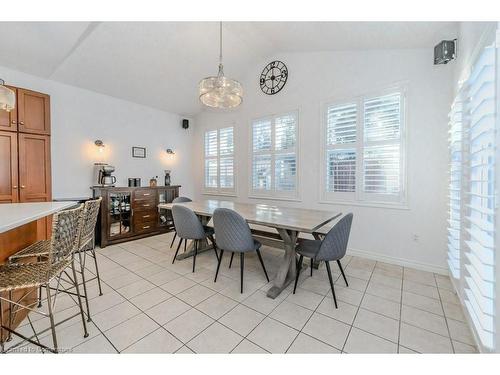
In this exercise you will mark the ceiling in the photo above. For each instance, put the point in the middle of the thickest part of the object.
(159, 64)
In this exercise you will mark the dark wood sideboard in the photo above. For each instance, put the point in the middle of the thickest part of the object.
(129, 213)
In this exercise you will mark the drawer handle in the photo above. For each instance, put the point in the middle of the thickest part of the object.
(146, 227)
(145, 205)
(146, 215)
(146, 194)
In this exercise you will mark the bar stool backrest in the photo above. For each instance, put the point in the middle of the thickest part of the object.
(90, 212)
(334, 245)
(66, 228)
(232, 232)
(187, 224)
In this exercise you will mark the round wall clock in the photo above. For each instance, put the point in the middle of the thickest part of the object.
(273, 77)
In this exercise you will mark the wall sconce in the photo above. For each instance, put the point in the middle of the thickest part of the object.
(100, 145)
(170, 151)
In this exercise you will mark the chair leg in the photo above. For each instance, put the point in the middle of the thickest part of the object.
(214, 246)
(173, 240)
(231, 261)
(51, 317)
(185, 243)
(177, 251)
(84, 282)
(218, 264)
(331, 282)
(242, 266)
(262, 263)
(342, 271)
(195, 253)
(312, 266)
(78, 295)
(299, 266)
(39, 297)
(11, 315)
(97, 271)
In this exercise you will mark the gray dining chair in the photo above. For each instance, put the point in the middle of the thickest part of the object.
(189, 227)
(332, 248)
(178, 200)
(233, 234)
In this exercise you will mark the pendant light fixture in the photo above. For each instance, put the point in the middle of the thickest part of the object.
(7, 97)
(220, 91)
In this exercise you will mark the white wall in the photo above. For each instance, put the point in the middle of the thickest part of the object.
(79, 117)
(385, 234)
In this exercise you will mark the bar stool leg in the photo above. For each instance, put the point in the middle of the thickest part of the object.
(75, 280)
(11, 315)
(86, 296)
(51, 317)
(97, 271)
(2, 346)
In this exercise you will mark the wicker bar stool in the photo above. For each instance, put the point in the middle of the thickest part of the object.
(86, 244)
(66, 228)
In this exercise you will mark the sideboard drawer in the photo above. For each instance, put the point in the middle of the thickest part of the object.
(144, 226)
(144, 204)
(144, 194)
(144, 216)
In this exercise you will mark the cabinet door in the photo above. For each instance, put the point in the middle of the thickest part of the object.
(33, 112)
(8, 120)
(34, 168)
(8, 167)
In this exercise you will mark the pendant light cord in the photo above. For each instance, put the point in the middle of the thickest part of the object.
(220, 40)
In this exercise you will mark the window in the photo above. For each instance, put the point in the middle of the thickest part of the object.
(219, 161)
(274, 156)
(363, 158)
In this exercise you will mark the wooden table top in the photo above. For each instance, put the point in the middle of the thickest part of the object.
(297, 219)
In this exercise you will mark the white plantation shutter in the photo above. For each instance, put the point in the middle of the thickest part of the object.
(274, 159)
(341, 129)
(382, 122)
(479, 172)
(219, 160)
(455, 204)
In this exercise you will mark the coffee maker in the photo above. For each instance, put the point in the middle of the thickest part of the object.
(103, 174)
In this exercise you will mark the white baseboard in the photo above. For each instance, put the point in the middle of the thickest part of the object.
(399, 261)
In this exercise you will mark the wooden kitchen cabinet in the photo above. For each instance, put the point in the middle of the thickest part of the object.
(33, 112)
(8, 167)
(8, 120)
(25, 173)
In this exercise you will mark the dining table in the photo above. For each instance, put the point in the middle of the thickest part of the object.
(289, 222)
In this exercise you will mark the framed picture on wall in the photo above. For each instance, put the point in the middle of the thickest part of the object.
(138, 152)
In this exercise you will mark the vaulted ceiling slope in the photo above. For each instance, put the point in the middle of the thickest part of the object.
(159, 64)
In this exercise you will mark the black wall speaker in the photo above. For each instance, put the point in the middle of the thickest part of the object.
(185, 123)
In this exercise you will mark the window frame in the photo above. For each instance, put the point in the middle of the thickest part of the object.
(218, 190)
(359, 197)
(273, 193)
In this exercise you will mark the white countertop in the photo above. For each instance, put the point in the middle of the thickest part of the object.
(13, 215)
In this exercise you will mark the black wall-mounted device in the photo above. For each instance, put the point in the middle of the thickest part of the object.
(445, 51)
(185, 123)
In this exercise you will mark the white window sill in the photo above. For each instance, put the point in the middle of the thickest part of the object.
(220, 193)
(275, 198)
(391, 206)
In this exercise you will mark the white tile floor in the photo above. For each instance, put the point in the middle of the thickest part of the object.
(152, 306)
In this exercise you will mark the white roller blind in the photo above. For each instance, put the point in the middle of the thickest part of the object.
(382, 154)
(480, 196)
(219, 160)
(455, 203)
(274, 159)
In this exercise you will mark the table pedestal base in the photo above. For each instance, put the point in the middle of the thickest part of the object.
(287, 271)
